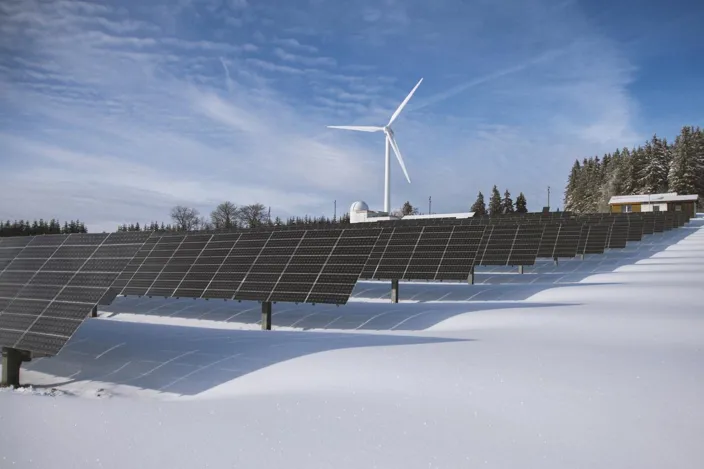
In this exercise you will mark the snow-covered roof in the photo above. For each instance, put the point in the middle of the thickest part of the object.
(440, 215)
(652, 198)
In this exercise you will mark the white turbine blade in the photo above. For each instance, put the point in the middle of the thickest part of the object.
(360, 128)
(403, 104)
(394, 145)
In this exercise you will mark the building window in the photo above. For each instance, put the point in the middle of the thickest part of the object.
(626, 209)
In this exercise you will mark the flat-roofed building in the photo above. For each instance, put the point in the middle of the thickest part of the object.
(671, 201)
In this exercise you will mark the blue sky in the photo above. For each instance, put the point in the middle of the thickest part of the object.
(114, 112)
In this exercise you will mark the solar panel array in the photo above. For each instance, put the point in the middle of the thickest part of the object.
(424, 253)
(312, 266)
(509, 245)
(53, 282)
(50, 284)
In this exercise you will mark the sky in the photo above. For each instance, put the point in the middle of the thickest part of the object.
(114, 112)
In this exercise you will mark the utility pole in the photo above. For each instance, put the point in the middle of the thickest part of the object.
(334, 213)
(548, 197)
(430, 202)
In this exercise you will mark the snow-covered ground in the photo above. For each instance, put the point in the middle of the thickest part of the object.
(594, 363)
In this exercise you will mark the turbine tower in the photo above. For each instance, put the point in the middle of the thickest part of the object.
(390, 142)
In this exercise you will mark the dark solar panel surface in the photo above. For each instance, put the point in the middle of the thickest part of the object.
(596, 239)
(392, 253)
(548, 243)
(525, 247)
(567, 240)
(618, 236)
(314, 266)
(459, 257)
(648, 224)
(635, 229)
(54, 282)
(424, 253)
(495, 247)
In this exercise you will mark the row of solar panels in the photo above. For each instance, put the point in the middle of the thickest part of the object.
(49, 284)
(675, 218)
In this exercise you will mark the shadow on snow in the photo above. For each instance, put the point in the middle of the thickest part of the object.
(189, 360)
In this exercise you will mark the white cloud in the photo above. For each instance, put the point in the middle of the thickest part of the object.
(292, 43)
(310, 61)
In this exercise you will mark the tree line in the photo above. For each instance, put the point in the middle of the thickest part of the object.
(499, 205)
(227, 216)
(652, 168)
(40, 227)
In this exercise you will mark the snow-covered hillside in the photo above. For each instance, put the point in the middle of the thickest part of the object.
(594, 363)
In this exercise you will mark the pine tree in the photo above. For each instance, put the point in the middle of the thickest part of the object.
(699, 155)
(479, 207)
(495, 202)
(521, 204)
(408, 209)
(628, 185)
(507, 203)
(656, 168)
(685, 169)
(571, 195)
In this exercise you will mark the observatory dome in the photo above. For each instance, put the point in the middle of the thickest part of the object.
(359, 206)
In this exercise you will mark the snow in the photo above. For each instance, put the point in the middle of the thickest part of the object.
(647, 198)
(594, 363)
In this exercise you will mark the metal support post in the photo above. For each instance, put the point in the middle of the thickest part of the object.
(470, 279)
(581, 257)
(11, 362)
(266, 315)
(520, 269)
(94, 313)
(394, 291)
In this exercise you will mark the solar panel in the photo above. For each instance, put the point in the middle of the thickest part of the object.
(428, 253)
(339, 275)
(459, 257)
(596, 239)
(567, 240)
(149, 262)
(583, 236)
(273, 254)
(648, 223)
(548, 242)
(659, 223)
(495, 247)
(618, 237)
(635, 229)
(225, 272)
(524, 249)
(397, 252)
(54, 283)
(304, 267)
(376, 254)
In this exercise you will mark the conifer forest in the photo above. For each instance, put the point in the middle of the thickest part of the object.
(655, 167)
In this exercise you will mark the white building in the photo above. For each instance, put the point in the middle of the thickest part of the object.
(360, 213)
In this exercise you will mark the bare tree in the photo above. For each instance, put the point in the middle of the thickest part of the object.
(204, 224)
(253, 215)
(224, 216)
(185, 218)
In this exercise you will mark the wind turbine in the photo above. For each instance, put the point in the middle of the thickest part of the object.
(390, 142)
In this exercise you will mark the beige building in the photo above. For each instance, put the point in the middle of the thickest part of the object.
(654, 203)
